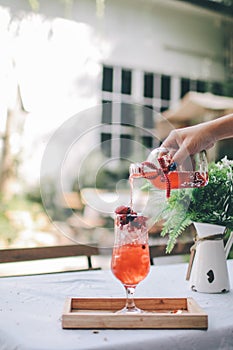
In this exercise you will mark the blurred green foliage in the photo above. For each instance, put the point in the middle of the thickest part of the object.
(211, 204)
(9, 230)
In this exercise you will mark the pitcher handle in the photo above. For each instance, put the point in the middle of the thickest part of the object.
(228, 245)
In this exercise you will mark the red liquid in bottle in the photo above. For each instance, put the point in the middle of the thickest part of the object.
(163, 179)
(177, 179)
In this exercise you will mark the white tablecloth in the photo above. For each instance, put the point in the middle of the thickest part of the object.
(31, 308)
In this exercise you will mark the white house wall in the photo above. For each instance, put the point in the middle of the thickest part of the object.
(170, 37)
(158, 36)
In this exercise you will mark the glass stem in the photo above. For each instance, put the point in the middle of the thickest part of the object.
(130, 305)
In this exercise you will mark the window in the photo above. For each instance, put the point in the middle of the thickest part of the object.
(125, 145)
(127, 114)
(157, 88)
(165, 87)
(147, 141)
(124, 121)
(148, 85)
(217, 88)
(126, 81)
(185, 86)
(106, 144)
(154, 91)
(201, 86)
(119, 119)
(163, 108)
(107, 112)
(107, 84)
(148, 120)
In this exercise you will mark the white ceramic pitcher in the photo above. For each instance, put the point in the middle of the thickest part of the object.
(209, 272)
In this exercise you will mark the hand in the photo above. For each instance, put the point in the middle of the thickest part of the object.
(184, 142)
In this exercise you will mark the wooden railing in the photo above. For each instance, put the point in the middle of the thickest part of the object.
(49, 252)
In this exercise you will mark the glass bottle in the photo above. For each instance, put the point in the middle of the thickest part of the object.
(164, 174)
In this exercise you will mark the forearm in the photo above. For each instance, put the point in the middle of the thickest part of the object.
(221, 128)
(193, 139)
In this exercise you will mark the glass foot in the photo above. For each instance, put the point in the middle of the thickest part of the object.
(134, 310)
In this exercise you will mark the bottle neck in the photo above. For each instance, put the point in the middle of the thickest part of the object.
(144, 169)
(136, 170)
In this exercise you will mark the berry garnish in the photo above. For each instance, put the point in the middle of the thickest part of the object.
(123, 210)
(127, 216)
(172, 166)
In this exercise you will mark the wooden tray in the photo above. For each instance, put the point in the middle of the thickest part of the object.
(100, 313)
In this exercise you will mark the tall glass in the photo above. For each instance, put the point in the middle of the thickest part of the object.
(130, 256)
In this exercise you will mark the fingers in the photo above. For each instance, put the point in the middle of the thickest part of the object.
(172, 141)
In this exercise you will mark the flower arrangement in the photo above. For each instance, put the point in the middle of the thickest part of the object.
(210, 204)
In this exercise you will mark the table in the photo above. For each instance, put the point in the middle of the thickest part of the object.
(31, 308)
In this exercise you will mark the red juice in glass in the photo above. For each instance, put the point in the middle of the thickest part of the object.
(131, 263)
(130, 256)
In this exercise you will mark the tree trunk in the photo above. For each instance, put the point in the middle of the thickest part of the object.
(7, 162)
